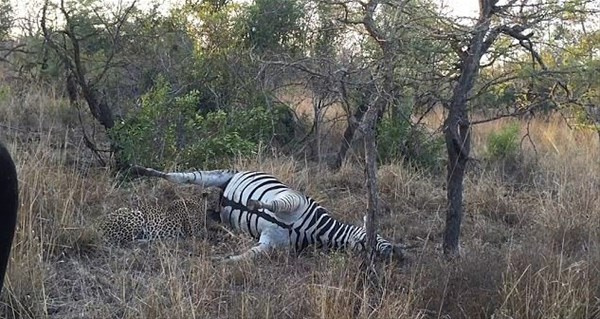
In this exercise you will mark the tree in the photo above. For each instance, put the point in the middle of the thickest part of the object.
(77, 77)
(573, 49)
(6, 19)
(456, 125)
(400, 57)
(76, 29)
(275, 26)
(376, 109)
(383, 74)
(514, 19)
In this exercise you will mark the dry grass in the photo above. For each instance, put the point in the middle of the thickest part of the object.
(529, 252)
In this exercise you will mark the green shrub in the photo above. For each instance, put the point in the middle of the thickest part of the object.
(169, 130)
(504, 144)
(5, 92)
(584, 119)
(398, 139)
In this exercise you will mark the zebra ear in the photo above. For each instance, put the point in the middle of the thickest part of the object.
(397, 252)
(365, 221)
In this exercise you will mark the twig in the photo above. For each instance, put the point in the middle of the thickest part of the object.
(501, 116)
(528, 136)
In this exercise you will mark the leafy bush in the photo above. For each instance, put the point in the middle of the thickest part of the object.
(5, 92)
(275, 25)
(398, 139)
(6, 19)
(169, 130)
(504, 144)
(586, 118)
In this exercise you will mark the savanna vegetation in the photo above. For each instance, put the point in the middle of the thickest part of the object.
(475, 141)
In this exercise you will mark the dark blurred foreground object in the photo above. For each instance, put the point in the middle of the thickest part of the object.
(9, 199)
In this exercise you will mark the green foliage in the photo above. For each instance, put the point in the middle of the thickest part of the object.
(218, 34)
(586, 118)
(275, 25)
(6, 19)
(5, 92)
(500, 96)
(168, 130)
(398, 139)
(216, 55)
(326, 33)
(504, 144)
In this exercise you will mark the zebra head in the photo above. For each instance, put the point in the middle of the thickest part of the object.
(384, 248)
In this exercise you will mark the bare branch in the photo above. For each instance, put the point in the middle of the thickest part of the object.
(115, 37)
(501, 116)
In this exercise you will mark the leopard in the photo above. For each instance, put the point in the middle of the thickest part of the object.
(151, 221)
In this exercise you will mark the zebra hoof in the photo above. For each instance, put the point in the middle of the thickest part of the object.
(136, 170)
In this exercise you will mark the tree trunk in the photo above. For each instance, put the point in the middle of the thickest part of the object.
(368, 128)
(349, 135)
(371, 175)
(98, 107)
(457, 128)
(458, 146)
(317, 102)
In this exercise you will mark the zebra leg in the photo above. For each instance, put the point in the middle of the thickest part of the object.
(216, 178)
(263, 247)
(288, 202)
(250, 254)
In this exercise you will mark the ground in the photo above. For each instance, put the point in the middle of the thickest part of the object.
(530, 236)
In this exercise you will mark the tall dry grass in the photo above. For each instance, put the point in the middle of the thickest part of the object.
(530, 237)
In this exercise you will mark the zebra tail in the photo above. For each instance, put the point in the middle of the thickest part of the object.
(216, 178)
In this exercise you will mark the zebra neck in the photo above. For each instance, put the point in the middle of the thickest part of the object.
(336, 234)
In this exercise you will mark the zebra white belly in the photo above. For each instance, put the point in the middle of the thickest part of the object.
(255, 223)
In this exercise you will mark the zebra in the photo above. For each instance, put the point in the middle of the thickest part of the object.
(258, 204)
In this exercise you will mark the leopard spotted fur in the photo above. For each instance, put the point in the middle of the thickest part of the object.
(180, 218)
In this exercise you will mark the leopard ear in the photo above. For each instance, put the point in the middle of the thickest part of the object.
(214, 215)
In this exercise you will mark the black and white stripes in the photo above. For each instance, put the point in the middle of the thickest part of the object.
(259, 204)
